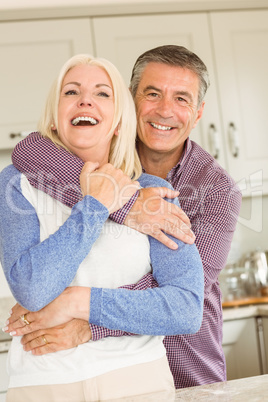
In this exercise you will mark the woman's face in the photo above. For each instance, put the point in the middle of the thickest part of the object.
(85, 113)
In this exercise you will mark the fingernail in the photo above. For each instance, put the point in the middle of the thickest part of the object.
(7, 322)
(12, 333)
(10, 312)
(4, 329)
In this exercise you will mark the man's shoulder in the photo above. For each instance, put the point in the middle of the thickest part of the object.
(198, 156)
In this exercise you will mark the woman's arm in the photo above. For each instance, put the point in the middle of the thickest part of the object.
(37, 272)
(173, 308)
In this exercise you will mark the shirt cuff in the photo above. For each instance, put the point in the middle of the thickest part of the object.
(120, 215)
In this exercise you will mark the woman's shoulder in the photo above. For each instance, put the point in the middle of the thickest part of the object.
(148, 180)
(8, 173)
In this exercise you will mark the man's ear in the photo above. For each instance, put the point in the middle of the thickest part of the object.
(199, 114)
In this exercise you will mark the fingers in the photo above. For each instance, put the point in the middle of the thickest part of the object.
(108, 185)
(62, 337)
(38, 342)
(18, 325)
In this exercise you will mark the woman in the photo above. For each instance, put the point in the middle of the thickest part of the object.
(53, 255)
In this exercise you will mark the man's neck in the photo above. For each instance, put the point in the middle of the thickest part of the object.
(156, 163)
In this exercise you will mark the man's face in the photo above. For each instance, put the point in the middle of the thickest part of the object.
(166, 105)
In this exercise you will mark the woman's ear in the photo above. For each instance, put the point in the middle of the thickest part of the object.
(116, 131)
(53, 127)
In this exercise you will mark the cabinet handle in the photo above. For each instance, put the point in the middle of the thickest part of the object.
(234, 140)
(214, 141)
(21, 134)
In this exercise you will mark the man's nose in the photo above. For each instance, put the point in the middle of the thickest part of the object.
(165, 107)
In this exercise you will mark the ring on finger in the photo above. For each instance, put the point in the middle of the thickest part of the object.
(44, 339)
(24, 319)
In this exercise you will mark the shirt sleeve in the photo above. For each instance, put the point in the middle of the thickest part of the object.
(56, 171)
(37, 272)
(175, 306)
(97, 332)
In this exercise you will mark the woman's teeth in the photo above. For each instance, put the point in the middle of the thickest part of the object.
(84, 118)
(165, 128)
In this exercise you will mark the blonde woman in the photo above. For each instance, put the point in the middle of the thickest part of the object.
(66, 263)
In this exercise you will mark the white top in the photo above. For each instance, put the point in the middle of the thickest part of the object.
(120, 256)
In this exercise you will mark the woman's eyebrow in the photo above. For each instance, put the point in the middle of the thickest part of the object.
(72, 83)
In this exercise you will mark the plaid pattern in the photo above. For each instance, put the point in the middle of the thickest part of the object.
(212, 201)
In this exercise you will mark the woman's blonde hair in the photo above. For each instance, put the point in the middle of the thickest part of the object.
(123, 154)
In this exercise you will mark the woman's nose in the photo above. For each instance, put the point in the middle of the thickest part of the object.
(85, 100)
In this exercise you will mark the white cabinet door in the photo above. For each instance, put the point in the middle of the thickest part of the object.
(3, 375)
(241, 50)
(31, 56)
(123, 39)
(241, 348)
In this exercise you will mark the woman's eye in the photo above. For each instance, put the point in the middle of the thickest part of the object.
(103, 94)
(71, 92)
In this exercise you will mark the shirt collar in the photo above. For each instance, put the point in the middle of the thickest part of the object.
(175, 171)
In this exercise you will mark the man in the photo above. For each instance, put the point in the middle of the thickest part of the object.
(168, 85)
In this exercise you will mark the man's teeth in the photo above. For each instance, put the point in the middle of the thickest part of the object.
(165, 128)
(84, 118)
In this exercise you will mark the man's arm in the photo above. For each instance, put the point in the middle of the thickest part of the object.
(56, 171)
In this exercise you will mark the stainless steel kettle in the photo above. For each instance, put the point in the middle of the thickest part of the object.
(258, 260)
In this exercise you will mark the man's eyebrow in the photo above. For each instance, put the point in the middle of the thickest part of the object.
(151, 87)
(185, 93)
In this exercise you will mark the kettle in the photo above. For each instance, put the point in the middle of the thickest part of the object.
(258, 261)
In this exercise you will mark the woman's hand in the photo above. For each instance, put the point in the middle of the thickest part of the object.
(62, 337)
(72, 303)
(108, 185)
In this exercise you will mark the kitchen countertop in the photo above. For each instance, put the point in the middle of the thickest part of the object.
(253, 310)
(245, 389)
(253, 389)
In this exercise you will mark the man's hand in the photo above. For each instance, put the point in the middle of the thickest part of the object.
(108, 185)
(62, 337)
(153, 215)
(72, 303)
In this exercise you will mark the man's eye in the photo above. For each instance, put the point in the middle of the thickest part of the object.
(152, 95)
(181, 99)
(71, 92)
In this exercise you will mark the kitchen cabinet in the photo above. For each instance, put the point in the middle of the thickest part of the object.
(265, 342)
(241, 348)
(3, 377)
(31, 56)
(234, 46)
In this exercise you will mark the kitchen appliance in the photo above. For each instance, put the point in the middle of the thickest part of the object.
(257, 261)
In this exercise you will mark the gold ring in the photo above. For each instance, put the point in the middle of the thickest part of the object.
(44, 339)
(24, 319)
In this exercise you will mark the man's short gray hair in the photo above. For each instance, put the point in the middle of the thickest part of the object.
(171, 55)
